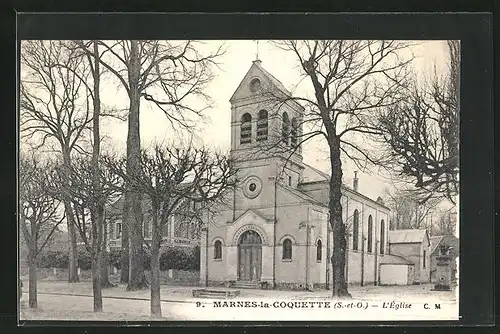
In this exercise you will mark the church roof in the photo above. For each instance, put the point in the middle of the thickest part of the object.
(302, 195)
(314, 175)
(394, 259)
(273, 79)
(408, 236)
(255, 212)
(255, 70)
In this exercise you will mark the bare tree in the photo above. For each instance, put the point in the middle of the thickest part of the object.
(445, 224)
(349, 80)
(166, 74)
(91, 188)
(95, 70)
(402, 209)
(421, 133)
(408, 209)
(39, 213)
(171, 177)
(53, 108)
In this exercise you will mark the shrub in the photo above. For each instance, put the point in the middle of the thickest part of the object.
(180, 259)
(196, 260)
(43, 260)
(84, 260)
(168, 259)
(146, 257)
(54, 259)
(62, 260)
(115, 256)
(165, 262)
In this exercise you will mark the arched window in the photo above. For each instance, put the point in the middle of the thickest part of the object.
(287, 249)
(262, 126)
(382, 236)
(246, 129)
(370, 234)
(319, 250)
(285, 129)
(217, 250)
(355, 230)
(294, 132)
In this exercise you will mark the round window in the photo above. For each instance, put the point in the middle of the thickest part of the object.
(255, 85)
(252, 187)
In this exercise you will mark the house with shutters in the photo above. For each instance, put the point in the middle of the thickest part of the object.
(178, 232)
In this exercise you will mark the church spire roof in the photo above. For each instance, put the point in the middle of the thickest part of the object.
(257, 69)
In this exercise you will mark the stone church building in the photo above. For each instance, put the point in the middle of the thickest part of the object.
(273, 228)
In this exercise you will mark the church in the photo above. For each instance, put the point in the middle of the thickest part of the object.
(273, 230)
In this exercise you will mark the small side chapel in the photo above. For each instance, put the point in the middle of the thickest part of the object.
(274, 230)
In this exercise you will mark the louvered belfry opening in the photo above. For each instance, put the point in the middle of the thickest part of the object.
(285, 130)
(294, 132)
(262, 125)
(246, 129)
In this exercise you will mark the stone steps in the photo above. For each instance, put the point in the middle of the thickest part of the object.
(207, 293)
(246, 285)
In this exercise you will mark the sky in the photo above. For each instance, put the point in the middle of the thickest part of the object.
(430, 56)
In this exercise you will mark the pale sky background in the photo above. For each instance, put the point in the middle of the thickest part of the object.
(430, 56)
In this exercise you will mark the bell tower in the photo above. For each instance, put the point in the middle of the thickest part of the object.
(266, 128)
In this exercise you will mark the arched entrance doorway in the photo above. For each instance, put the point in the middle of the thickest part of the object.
(249, 256)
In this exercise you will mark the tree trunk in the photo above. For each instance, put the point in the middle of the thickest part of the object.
(339, 286)
(156, 236)
(105, 283)
(155, 279)
(124, 257)
(137, 280)
(96, 152)
(155, 282)
(32, 280)
(73, 253)
(97, 217)
(96, 282)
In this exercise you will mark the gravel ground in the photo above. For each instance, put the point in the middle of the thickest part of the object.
(170, 292)
(81, 308)
(64, 301)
